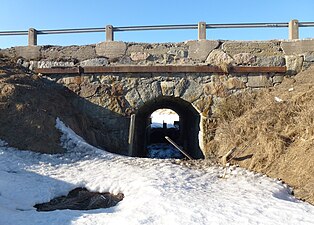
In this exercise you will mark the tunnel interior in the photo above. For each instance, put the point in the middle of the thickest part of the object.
(185, 134)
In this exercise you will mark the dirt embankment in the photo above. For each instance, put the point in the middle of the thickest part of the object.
(29, 107)
(272, 131)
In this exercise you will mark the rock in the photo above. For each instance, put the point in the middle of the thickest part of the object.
(234, 83)
(180, 87)
(277, 79)
(79, 53)
(149, 91)
(203, 105)
(294, 64)
(133, 98)
(297, 46)
(270, 61)
(88, 89)
(258, 81)
(199, 50)
(258, 48)
(51, 64)
(111, 49)
(216, 88)
(94, 62)
(139, 56)
(309, 57)
(193, 92)
(244, 59)
(219, 58)
(28, 52)
(167, 88)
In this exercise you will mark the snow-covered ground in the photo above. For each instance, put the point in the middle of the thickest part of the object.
(156, 191)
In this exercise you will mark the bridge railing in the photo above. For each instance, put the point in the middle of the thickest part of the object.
(293, 28)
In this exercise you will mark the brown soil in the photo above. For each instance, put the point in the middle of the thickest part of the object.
(271, 136)
(29, 107)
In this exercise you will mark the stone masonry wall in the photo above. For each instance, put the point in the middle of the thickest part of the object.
(112, 98)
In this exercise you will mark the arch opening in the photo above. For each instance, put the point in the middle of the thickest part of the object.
(163, 122)
(186, 134)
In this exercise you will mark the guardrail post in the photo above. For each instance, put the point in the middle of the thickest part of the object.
(201, 30)
(294, 29)
(32, 37)
(109, 33)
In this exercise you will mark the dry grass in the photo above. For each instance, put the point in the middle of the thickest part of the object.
(276, 138)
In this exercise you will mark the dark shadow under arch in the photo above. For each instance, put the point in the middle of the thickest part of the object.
(189, 125)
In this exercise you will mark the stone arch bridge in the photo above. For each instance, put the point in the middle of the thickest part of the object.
(116, 80)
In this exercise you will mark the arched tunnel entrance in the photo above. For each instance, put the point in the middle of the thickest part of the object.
(188, 125)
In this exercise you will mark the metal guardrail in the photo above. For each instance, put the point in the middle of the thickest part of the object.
(32, 33)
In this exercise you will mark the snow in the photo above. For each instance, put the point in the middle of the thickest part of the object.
(163, 151)
(157, 191)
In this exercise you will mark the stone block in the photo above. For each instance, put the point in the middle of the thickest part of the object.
(88, 89)
(51, 64)
(28, 52)
(309, 57)
(219, 58)
(180, 87)
(234, 83)
(216, 89)
(244, 59)
(258, 48)
(111, 49)
(193, 91)
(199, 50)
(167, 88)
(94, 62)
(139, 56)
(294, 64)
(70, 52)
(270, 61)
(258, 81)
(203, 105)
(297, 46)
(277, 79)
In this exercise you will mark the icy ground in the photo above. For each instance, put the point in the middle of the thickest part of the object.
(156, 191)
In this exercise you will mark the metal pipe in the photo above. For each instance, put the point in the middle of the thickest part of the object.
(158, 27)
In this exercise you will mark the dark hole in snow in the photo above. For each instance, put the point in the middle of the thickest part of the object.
(81, 199)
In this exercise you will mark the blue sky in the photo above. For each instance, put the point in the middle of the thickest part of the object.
(41, 14)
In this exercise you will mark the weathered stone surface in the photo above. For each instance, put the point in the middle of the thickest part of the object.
(309, 57)
(134, 48)
(139, 56)
(258, 81)
(167, 88)
(244, 59)
(193, 91)
(216, 88)
(234, 83)
(203, 105)
(73, 52)
(149, 91)
(94, 62)
(219, 58)
(277, 79)
(270, 61)
(297, 46)
(258, 48)
(133, 98)
(51, 64)
(180, 87)
(156, 49)
(28, 52)
(199, 50)
(88, 89)
(111, 49)
(294, 64)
